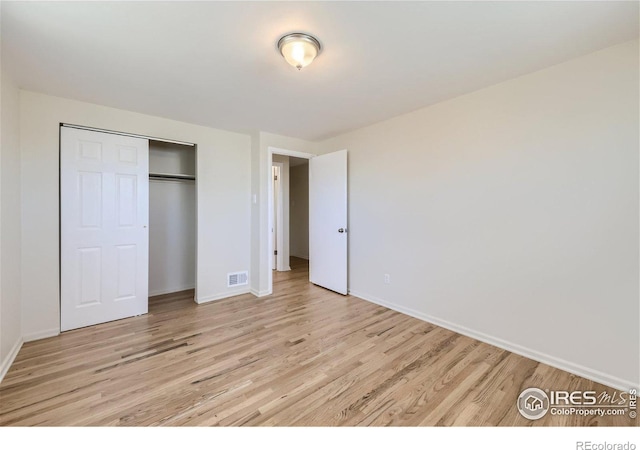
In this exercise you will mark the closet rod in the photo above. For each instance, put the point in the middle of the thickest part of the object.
(167, 176)
(170, 141)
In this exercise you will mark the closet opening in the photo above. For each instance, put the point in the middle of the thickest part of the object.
(172, 220)
(127, 224)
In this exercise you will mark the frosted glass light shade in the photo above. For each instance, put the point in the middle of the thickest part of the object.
(299, 49)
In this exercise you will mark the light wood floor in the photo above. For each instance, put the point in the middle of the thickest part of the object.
(303, 356)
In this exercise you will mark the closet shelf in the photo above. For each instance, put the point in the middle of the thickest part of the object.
(171, 176)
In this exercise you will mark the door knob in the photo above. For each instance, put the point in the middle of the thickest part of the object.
(342, 230)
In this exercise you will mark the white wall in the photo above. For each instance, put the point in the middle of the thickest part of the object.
(299, 211)
(257, 204)
(10, 236)
(223, 172)
(260, 179)
(172, 236)
(172, 220)
(172, 158)
(511, 214)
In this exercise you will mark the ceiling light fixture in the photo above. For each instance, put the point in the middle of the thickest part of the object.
(299, 49)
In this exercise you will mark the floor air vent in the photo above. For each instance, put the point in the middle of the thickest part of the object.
(237, 278)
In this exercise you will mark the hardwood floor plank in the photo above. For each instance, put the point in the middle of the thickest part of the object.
(302, 356)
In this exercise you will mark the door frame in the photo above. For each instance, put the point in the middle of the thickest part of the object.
(278, 211)
(270, 152)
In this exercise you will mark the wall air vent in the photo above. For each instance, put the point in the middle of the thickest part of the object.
(237, 278)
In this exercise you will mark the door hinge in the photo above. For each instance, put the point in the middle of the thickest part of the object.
(275, 252)
(275, 178)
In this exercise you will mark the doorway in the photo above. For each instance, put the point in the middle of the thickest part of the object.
(280, 223)
(290, 230)
(326, 225)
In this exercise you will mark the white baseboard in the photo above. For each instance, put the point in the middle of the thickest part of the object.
(171, 290)
(567, 366)
(212, 298)
(41, 335)
(261, 293)
(8, 360)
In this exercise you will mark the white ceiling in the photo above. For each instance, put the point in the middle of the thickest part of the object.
(216, 64)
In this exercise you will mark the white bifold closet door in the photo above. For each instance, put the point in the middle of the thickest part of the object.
(104, 236)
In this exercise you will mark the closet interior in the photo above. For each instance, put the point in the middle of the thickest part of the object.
(172, 217)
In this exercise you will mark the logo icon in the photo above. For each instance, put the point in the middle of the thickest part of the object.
(533, 403)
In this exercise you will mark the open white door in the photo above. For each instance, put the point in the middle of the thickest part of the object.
(328, 221)
(104, 239)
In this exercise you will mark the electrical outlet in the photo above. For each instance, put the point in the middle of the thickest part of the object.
(387, 278)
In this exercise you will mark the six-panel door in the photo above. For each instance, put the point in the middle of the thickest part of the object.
(104, 214)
